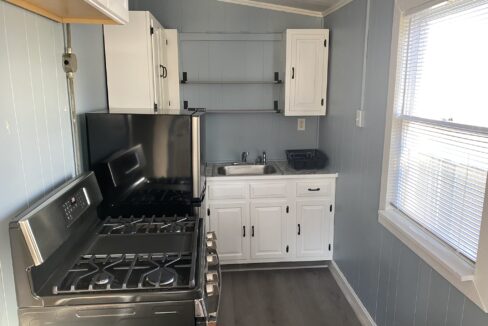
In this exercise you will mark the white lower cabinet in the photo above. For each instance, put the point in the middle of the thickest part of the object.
(313, 227)
(255, 228)
(230, 221)
(268, 229)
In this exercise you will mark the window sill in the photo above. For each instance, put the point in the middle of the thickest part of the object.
(427, 246)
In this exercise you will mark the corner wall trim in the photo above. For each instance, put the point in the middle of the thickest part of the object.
(335, 7)
(270, 6)
(361, 312)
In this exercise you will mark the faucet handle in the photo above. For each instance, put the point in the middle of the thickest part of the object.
(244, 156)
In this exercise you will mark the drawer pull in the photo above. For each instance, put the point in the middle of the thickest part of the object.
(299, 229)
(314, 189)
(252, 231)
(244, 231)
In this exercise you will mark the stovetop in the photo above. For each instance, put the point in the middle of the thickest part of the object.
(136, 253)
(96, 273)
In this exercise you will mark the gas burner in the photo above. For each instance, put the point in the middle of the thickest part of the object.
(144, 224)
(101, 278)
(161, 277)
(108, 273)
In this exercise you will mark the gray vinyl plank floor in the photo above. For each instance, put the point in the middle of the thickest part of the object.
(295, 297)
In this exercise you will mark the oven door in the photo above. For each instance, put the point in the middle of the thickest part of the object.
(207, 308)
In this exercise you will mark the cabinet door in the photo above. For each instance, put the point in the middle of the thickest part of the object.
(307, 57)
(230, 221)
(314, 219)
(156, 35)
(268, 229)
(163, 69)
(172, 71)
(130, 66)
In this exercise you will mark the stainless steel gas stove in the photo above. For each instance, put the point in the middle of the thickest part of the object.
(141, 255)
(74, 267)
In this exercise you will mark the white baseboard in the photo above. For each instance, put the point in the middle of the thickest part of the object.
(361, 312)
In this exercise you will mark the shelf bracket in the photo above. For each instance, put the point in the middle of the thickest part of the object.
(185, 77)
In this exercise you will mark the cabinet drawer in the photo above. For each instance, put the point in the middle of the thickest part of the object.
(322, 188)
(268, 190)
(227, 191)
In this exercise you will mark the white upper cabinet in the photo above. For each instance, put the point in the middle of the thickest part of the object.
(79, 11)
(306, 72)
(142, 66)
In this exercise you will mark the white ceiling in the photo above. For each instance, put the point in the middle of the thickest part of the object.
(305, 7)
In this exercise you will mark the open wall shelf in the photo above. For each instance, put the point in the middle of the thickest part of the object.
(234, 110)
(276, 81)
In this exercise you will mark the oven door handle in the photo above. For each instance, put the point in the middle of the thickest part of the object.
(99, 313)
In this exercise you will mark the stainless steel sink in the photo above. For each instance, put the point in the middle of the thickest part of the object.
(246, 169)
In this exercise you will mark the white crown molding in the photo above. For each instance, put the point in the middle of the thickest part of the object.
(335, 7)
(275, 7)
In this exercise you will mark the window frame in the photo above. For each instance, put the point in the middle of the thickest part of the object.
(469, 278)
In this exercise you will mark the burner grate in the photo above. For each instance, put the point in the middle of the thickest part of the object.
(132, 225)
(150, 196)
(96, 273)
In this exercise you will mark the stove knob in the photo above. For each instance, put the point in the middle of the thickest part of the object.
(212, 260)
(211, 245)
(212, 289)
(211, 236)
(212, 277)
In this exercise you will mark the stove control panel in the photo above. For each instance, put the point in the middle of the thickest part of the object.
(75, 205)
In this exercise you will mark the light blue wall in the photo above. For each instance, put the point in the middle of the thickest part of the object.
(90, 82)
(230, 134)
(394, 284)
(35, 136)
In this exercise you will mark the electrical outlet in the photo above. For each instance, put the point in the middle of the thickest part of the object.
(360, 118)
(301, 124)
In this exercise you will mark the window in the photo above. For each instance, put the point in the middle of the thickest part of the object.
(436, 164)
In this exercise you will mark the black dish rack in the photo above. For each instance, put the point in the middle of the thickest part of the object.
(306, 159)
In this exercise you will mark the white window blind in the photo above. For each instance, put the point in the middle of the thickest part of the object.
(440, 141)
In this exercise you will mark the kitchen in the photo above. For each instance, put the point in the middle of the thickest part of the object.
(364, 266)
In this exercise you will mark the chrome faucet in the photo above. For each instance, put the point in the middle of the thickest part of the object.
(265, 159)
(244, 157)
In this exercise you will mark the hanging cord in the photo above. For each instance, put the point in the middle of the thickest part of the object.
(70, 67)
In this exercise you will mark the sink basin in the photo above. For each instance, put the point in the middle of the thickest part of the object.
(246, 169)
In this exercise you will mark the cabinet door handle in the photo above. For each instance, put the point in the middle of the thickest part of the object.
(165, 71)
(314, 189)
(292, 72)
(243, 231)
(299, 229)
(252, 231)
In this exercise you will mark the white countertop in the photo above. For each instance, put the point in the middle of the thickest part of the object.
(282, 168)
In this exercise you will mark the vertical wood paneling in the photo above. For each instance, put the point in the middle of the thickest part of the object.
(35, 133)
(406, 291)
(422, 296)
(455, 307)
